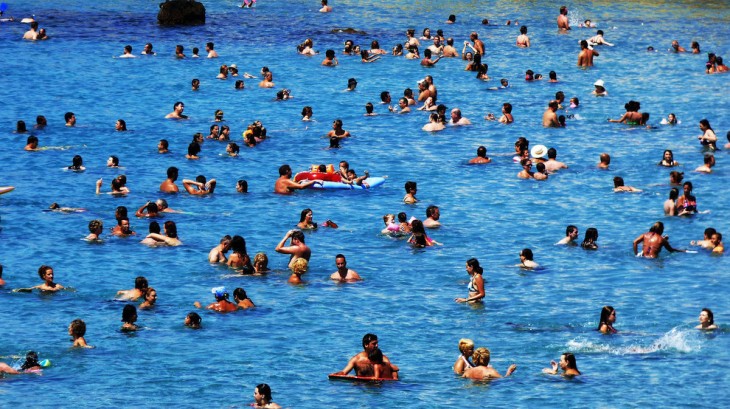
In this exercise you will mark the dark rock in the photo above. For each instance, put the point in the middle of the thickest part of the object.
(181, 12)
(348, 30)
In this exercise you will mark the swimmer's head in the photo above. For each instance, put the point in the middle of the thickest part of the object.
(31, 360)
(411, 186)
(367, 339)
(481, 356)
(261, 260)
(402, 217)
(527, 254)
(263, 389)
(657, 228)
(161, 204)
(388, 218)
(369, 108)
(466, 345)
(96, 226)
(474, 264)
(504, 82)
(193, 320)
(300, 266)
(605, 158)
(710, 316)
(43, 270)
(220, 293)
(154, 227)
(676, 177)
(482, 152)
(242, 186)
(129, 314)
(140, 283)
(239, 294)
(54, 206)
(77, 329)
(376, 356)
(298, 236)
(618, 181)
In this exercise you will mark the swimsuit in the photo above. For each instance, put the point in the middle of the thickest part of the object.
(689, 205)
(471, 286)
(467, 363)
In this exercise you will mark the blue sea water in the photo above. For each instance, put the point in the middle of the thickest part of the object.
(299, 334)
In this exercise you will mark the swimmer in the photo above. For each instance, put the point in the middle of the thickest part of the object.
(96, 227)
(196, 50)
(140, 289)
(618, 186)
(366, 57)
(605, 323)
(170, 238)
(463, 362)
(427, 61)
(241, 299)
(298, 267)
(449, 51)
(670, 205)
(193, 320)
(605, 161)
(32, 33)
(199, 186)
(540, 171)
(129, 317)
(523, 40)
(260, 264)
(434, 123)
(221, 303)
(169, 186)
(268, 81)
(585, 57)
(381, 369)
(668, 159)
(457, 119)
(475, 286)
(707, 320)
(232, 149)
(706, 243)
(563, 23)
(482, 370)
(239, 258)
(330, 60)
(360, 362)
(297, 248)
(526, 259)
(567, 364)
(195, 84)
(676, 48)
(262, 392)
(153, 228)
(163, 146)
(419, 238)
(391, 227)
(433, 213)
(598, 39)
(305, 220)
(150, 298)
(709, 162)
(552, 165)
(571, 233)
(77, 330)
(411, 189)
(147, 50)
(177, 112)
(284, 185)
(283, 95)
(525, 173)
(46, 274)
(344, 274)
(148, 209)
(716, 242)
(325, 9)
(127, 52)
(481, 157)
(653, 241)
(337, 131)
(210, 49)
(549, 117)
(671, 119)
(599, 89)
(77, 164)
(179, 51)
(708, 137)
(307, 113)
(218, 253)
(687, 203)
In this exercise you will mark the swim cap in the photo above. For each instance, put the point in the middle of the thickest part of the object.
(219, 292)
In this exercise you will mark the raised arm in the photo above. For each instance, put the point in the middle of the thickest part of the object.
(188, 184)
(98, 185)
(140, 211)
(285, 250)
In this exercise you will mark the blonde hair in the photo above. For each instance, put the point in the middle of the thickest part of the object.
(261, 258)
(465, 344)
(299, 266)
(481, 357)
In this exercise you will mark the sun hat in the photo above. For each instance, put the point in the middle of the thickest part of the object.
(538, 151)
(599, 83)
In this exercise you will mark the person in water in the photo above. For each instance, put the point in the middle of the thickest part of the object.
(687, 203)
(482, 369)
(476, 282)
(608, 317)
(221, 304)
(129, 317)
(77, 330)
(653, 241)
(344, 274)
(361, 362)
(526, 259)
(567, 364)
(381, 369)
(193, 320)
(707, 320)
(463, 362)
(262, 392)
(571, 233)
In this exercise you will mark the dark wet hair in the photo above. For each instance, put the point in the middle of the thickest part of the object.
(140, 283)
(284, 169)
(264, 389)
(298, 235)
(193, 149)
(710, 315)
(452, 18)
(570, 229)
(410, 185)
(402, 217)
(591, 235)
(430, 210)
(195, 319)
(154, 227)
(527, 253)
(474, 264)
(605, 313)
(20, 127)
(68, 116)
(570, 360)
(376, 356)
(243, 185)
(42, 270)
(78, 328)
(674, 194)
(368, 338)
(238, 245)
(128, 313)
(618, 181)
(171, 229)
(239, 294)
(482, 152)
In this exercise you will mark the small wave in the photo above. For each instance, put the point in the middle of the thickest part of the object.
(676, 340)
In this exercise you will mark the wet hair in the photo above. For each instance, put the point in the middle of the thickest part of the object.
(195, 50)
(553, 104)
(307, 111)
(239, 294)
(94, 225)
(172, 172)
(560, 96)
(303, 215)
(465, 344)
(452, 18)
(115, 160)
(507, 107)
(298, 235)
(481, 356)
(570, 360)
(78, 328)
(410, 185)
(195, 320)
(695, 45)
(300, 266)
(32, 139)
(261, 258)
(474, 264)
(618, 181)
(234, 147)
(540, 167)
(20, 127)
(369, 107)
(523, 30)
(238, 245)
(527, 253)
(570, 229)
(706, 123)
(591, 235)
(242, 185)
(427, 53)
(31, 358)
(351, 83)
(482, 152)
(284, 169)
(376, 356)
(128, 313)
(76, 162)
(368, 338)
(171, 229)
(140, 283)
(41, 121)
(552, 153)
(553, 75)
(674, 193)
(42, 271)
(677, 176)
(657, 228)
(164, 143)
(154, 227)
(264, 389)
(430, 210)
(583, 44)
(710, 315)
(605, 313)
(239, 84)
(688, 184)
(402, 217)
(68, 116)
(193, 149)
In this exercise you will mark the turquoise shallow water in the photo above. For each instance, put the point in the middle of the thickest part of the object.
(297, 335)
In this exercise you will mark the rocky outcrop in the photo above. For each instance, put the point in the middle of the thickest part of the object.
(181, 12)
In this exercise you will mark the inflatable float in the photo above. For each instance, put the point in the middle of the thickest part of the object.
(6, 189)
(333, 181)
(352, 378)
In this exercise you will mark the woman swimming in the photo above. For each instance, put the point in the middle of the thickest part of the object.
(463, 362)
(567, 364)
(305, 220)
(668, 159)
(129, 317)
(708, 137)
(707, 320)
(239, 258)
(608, 317)
(476, 282)
(241, 299)
(589, 241)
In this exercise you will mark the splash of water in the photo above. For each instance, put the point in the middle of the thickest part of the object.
(675, 340)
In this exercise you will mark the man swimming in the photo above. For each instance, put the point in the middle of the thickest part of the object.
(653, 241)
(284, 185)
